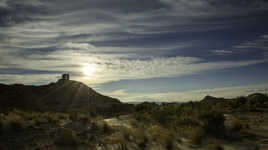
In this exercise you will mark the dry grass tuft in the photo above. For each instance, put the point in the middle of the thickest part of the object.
(196, 134)
(236, 125)
(12, 122)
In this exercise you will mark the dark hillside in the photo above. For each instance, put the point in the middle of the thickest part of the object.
(59, 96)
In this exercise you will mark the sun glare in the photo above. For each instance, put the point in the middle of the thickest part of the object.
(88, 69)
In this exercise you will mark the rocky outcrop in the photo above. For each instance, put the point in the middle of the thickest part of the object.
(59, 96)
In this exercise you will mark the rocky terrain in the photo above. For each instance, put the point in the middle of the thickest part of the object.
(62, 96)
(58, 116)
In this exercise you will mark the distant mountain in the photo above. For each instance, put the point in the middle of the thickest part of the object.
(252, 102)
(256, 97)
(63, 95)
(211, 99)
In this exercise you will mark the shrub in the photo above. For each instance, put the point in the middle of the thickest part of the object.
(169, 144)
(196, 135)
(143, 117)
(159, 133)
(212, 123)
(127, 134)
(116, 138)
(235, 125)
(14, 122)
(2, 124)
(218, 147)
(16, 125)
(67, 137)
(142, 140)
(137, 135)
(163, 117)
(41, 120)
(123, 146)
(73, 115)
(101, 126)
(52, 118)
(106, 129)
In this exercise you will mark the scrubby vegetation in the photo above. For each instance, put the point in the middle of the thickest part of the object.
(208, 124)
(212, 119)
(49, 130)
(193, 120)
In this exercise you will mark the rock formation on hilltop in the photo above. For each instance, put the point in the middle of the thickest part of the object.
(60, 96)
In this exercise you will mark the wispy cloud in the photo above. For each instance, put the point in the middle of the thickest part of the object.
(28, 78)
(260, 43)
(79, 46)
(111, 67)
(221, 52)
(123, 39)
(193, 95)
(14, 12)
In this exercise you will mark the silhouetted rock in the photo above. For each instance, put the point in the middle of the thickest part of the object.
(257, 98)
(210, 99)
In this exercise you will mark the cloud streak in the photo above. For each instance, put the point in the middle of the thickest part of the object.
(115, 67)
(13, 12)
(192, 95)
(221, 52)
(126, 39)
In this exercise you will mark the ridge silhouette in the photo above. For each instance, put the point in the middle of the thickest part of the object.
(60, 96)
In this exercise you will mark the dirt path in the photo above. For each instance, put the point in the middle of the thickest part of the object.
(120, 121)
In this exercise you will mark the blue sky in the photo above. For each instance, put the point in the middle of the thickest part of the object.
(135, 50)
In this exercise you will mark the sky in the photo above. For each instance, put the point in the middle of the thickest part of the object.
(138, 50)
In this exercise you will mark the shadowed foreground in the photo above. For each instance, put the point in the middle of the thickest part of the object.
(211, 124)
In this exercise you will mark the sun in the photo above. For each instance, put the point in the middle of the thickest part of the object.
(88, 69)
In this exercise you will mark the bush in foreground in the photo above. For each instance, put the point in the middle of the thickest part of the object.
(66, 138)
